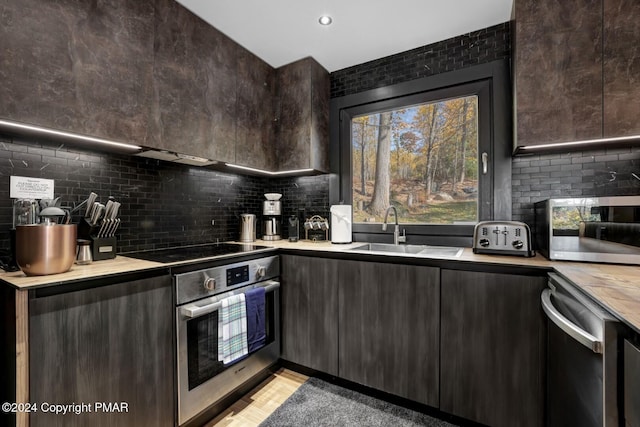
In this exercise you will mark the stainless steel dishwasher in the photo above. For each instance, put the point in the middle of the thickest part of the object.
(582, 359)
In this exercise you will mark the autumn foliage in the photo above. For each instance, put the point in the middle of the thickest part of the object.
(421, 159)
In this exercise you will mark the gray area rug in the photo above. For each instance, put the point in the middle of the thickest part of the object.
(318, 403)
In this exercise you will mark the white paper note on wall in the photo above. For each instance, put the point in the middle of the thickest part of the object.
(22, 187)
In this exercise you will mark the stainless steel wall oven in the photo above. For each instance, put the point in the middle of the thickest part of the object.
(202, 379)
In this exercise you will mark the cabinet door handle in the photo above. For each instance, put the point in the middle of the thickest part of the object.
(574, 331)
(485, 163)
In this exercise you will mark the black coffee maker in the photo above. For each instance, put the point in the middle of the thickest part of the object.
(294, 229)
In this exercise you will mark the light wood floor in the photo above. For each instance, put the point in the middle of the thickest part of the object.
(260, 402)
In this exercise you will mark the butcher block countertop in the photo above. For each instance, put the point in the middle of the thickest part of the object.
(615, 287)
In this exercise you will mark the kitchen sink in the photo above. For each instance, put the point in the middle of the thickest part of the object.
(420, 250)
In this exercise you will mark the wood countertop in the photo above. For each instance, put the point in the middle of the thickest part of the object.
(615, 287)
(466, 256)
(118, 265)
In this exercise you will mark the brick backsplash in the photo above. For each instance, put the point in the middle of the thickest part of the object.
(308, 194)
(614, 172)
(478, 47)
(163, 204)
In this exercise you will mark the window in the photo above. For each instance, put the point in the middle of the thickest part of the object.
(421, 159)
(446, 154)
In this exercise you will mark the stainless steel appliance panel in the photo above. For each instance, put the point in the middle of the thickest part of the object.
(202, 385)
(631, 385)
(271, 207)
(594, 229)
(582, 359)
(502, 238)
(198, 284)
(202, 379)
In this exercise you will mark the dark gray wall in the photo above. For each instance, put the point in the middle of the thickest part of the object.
(479, 47)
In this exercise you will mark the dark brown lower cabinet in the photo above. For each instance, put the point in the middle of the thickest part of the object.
(631, 384)
(389, 323)
(105, 351)
(309, 293)
(492, 348)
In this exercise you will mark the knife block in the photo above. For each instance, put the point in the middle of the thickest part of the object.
(86, 230)
(101, 247)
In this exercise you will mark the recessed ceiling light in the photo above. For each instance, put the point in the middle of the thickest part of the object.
(325, 20)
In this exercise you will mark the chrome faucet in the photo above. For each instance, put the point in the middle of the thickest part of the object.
(397, 238)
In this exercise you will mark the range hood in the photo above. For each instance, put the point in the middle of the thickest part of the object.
(169, 156)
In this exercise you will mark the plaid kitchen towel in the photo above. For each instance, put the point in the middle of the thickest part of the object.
(232, 329)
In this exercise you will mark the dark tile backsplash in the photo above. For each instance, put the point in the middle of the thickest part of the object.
(614, 172)
(308, 195)
(163, 204)
(478, 47)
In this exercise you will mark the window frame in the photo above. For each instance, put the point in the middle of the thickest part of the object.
(491, 83)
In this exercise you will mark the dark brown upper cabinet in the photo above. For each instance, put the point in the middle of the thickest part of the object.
(558, 70)
(621, 64)
(302, 138)
(194, 98)
(152, 73)
(576, 67)
(255, 113)
(84, 67)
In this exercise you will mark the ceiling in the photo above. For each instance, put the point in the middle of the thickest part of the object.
(283, 31)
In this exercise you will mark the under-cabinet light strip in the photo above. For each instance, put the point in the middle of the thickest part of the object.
(46, 131)
(586, 142)
(268, 172)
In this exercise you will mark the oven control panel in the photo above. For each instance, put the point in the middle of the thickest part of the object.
(237, 275)
(203, 283)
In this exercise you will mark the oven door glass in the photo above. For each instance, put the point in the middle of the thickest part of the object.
(202, 343)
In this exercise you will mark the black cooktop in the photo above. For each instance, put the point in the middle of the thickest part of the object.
(188, 253)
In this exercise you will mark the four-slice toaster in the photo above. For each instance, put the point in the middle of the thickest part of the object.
(502, 238)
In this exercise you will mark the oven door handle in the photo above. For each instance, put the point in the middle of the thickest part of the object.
(193, 311)
(574, 331)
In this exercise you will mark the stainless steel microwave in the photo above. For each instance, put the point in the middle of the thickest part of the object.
(594, 229)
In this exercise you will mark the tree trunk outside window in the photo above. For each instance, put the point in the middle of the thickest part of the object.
(380, 200)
